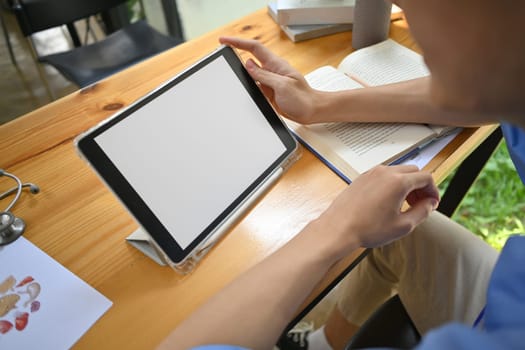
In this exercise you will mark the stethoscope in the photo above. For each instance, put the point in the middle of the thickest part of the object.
(12, 227)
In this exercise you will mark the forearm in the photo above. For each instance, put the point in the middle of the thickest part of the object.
(254, 309)
(407, 101)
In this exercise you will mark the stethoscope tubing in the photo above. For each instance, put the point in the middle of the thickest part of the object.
(12, 227)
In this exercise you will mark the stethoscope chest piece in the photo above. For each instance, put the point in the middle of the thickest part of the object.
(11, 227)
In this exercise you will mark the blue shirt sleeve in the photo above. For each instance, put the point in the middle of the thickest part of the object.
(504, 322)
(515, 139)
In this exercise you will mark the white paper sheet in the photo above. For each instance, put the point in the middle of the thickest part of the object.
(426, 154)
(42, 304)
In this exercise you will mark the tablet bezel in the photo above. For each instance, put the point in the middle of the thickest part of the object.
(116, 181)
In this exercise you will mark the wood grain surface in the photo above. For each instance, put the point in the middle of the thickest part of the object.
(78, 222)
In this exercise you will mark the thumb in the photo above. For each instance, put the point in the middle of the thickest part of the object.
(418, 212)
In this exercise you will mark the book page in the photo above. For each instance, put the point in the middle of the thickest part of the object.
(327, 78)
(361, 146)
(442, 130)
(354, 148)
(384, 63)
(425, 154)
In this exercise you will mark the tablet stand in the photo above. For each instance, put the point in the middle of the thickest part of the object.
(140, 240)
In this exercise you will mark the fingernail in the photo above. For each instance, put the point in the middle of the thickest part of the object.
(434, 204)
(250, 65)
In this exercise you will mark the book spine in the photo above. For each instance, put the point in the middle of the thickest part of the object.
(298, 33)
(323, 159)
(272, 10)
(315, 15)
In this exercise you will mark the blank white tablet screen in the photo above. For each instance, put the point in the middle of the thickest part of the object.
(194, 149)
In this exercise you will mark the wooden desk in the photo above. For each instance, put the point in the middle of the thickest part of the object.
(78, 222)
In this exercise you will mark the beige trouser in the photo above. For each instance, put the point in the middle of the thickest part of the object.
(440, 271)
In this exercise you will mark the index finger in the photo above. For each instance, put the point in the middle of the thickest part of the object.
(422, 183)
(253, 46)
(405, 168)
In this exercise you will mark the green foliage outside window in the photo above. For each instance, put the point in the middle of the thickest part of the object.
(494, 207)
(136, 10)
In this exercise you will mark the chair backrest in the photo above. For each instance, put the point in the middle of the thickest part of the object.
(37, 15)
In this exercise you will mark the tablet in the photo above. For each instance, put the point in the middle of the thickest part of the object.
(186, 157)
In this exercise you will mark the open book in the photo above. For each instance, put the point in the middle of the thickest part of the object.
(351, 149)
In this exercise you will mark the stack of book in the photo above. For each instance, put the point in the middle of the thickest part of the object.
(307, 19)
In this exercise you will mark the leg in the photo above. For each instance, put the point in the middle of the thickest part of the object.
(338, 330)
(441, 272)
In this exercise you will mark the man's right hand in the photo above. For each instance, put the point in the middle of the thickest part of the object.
(369, 212)
(282, 84)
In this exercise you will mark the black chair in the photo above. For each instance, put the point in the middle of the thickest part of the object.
(6, 33)
(389, 326)
(87, 64)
